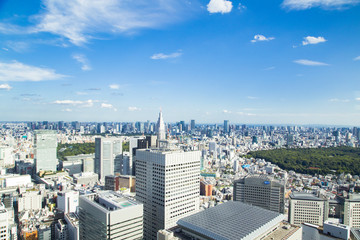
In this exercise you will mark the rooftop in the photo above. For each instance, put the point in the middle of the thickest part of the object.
(304, 196)
(231, 220)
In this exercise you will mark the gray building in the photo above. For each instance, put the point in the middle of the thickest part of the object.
(262, 191)
(109, 215)
(106, 150)
(45, 150)
(231, 221)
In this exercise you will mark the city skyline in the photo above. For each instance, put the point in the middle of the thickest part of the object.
(258, 62)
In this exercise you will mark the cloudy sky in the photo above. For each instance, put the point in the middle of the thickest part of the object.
(278, 61)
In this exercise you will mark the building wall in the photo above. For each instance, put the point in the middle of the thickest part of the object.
(352, 213)
(45, 150)
(306, 211)
(168, 185)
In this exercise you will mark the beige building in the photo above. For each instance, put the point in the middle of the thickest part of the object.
(307, 208)
(352, 211)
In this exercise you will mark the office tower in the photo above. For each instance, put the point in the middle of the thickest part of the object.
(183, 126)
(67, 201)
(160, 128)
(212, 147)
(352, 210)
(205, 188)
(106, 150)
(290, 139)
(167, 183)
(261, 191)
(109, 215)
(307, 208)
(4, 224)
(192, 124)
(45, 150)
(226, 126)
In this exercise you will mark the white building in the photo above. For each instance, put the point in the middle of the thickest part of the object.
(352, 211)
(106, 150)
(30, 201)
(68, 201)
(307, 208)
(4, 224)
(167, 183)
(6, 156)
(14, 180)
(45, 150)
(109, 215)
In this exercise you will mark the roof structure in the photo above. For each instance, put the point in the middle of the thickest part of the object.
(230, 221)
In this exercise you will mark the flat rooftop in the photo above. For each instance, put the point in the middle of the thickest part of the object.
(115, 201)
(231, 221)
(284, 231)
(304, 196)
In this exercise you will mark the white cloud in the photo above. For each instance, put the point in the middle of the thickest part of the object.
(132, 109)
(108, 106)
(114, 86)
(252, 98)
(80, 58)
(219, 6)
(5, 87)
(17, 71)
(339, 100)
(246, 114)
(88, 103)
(357, 99)
(310, 63)
(269, 68)
(158, 56)
(226, 111)
(81, 20)
(357, 58)
(241, 7)
(259, 38)
(327, 4)
(67, 110)
(17, 46)
(313, 40)
(82, 93)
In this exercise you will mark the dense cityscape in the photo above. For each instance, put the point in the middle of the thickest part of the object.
(157, 180)
(179, 120)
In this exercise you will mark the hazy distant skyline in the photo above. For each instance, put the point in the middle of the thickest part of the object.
(252, 62)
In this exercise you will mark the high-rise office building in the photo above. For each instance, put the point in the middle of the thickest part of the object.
(4, 224)
(192, 124)
(109, 215)
(307, 208)
(106, 150)
(68, 201)
(352, 210)
(261, 191)
(167, 183)
(226, 126)
(45, 150)
(160, 128)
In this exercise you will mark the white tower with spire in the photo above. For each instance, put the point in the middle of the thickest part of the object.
(160, 128)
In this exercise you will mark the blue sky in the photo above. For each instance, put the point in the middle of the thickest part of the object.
(271, 62)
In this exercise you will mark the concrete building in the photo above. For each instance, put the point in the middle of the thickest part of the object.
(72, 220)
(352, 210)
(262, 191)
(61, 230)
(109, 215)
(106, 150)
(167, 183)
(86, 178)
(115, 183)
(4, 224)
(6, 156)
(307, 208)
(160, 128)
(68, 201)
(231, 221)
(45, 150)
(14, 180)
(30, 201)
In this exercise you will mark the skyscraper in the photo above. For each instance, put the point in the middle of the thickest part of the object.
(106, 150)
(167, 183)
(226, 126)
(160, 128)
(261, 191)
(109, 215)
(192, 124)
(45, 150)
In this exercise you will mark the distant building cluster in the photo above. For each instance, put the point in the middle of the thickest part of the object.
(157, 180)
